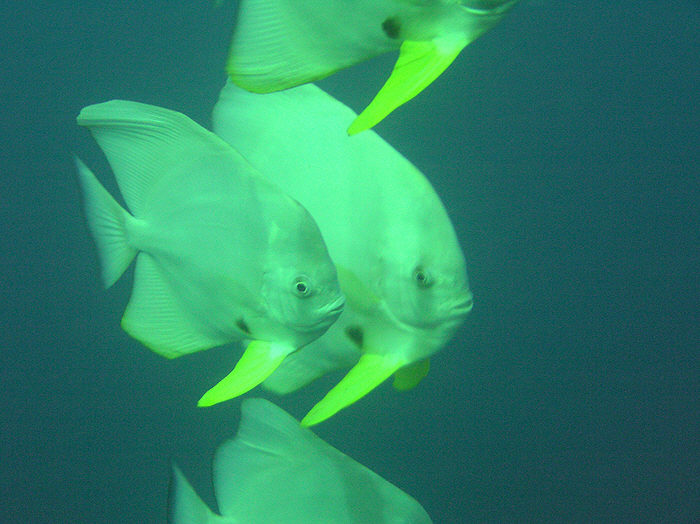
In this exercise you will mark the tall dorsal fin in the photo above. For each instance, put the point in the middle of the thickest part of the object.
(143, 142)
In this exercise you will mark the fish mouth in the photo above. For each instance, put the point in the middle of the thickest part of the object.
(462, 307)
(327, 316)
(336, 307)
(447, 318)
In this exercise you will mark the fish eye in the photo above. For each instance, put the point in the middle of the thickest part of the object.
(302, 288)
(422, 278)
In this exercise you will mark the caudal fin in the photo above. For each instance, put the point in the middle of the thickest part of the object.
(185, 506)
(106, 220)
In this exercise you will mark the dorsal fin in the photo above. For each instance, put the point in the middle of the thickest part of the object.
(143, 142)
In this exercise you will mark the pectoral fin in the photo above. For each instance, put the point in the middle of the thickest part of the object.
(258, 362)
(410, 376)
(419, 63)
(370, 371)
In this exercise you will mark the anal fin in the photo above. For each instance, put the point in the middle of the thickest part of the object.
(155, 317)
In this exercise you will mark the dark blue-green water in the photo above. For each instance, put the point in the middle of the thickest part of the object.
(565, 145)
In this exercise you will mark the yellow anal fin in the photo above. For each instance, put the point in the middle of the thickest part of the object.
(419, 63)
(370, 371)
(410, 376)
(258, 362)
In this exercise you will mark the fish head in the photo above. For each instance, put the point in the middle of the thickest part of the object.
(425, 291)
(300, 282)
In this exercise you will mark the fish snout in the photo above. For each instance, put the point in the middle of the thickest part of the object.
(336, 306)
(330, 313)
(466, 303)
(324, 316)
(460, 308)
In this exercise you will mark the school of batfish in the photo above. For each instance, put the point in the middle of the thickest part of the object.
(294, 232)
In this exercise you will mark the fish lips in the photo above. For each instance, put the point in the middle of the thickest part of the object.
(326, 317)
(441, 325)
(461, 308)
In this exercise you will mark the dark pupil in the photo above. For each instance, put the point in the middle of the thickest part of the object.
(301, 287)
(420, 276)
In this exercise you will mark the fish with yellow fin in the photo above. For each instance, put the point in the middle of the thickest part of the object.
(222, 255)
(278, 44)
(399, 261)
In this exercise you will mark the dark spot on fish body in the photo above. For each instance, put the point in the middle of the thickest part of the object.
(355, 334)
(243, 326)
(392, 27)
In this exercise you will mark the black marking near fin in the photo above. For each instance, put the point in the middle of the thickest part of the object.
(392, 27)
(243, 326)
(355, 334)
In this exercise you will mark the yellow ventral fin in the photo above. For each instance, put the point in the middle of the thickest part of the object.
(258, 362)
(370, 371)
(408, 377)
(419, 63)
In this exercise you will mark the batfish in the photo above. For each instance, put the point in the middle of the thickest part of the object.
(275, 471)
(278, 44)
(222, 254)
(399, 262)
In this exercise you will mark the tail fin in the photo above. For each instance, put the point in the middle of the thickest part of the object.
(185, 506)
(106, 220)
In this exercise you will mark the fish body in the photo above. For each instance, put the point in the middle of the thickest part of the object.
(278, 44)
(274, 470)
(399, 262)
(220, 251)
